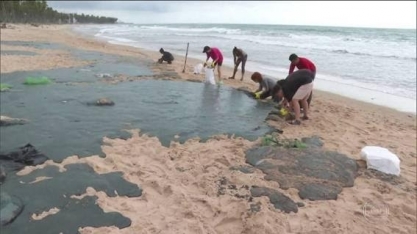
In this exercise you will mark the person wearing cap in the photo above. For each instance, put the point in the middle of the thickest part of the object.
(241, 56)
(302, 63)
(265, 85)
(296, 89)
(166, 56)
(217, 56)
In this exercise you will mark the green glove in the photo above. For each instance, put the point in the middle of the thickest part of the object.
(283, 112)
(258, 95)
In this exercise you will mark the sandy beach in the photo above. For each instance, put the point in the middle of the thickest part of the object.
(180, 182)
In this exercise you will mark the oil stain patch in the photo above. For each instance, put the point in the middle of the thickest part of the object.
(59, 113)
(317, 174)
(62, 124)
(279, 200)
(56, 192)
(17, 52)
(37, 45)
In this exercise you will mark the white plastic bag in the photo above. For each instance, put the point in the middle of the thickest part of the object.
(198, 68)
(209, 76)
(104, 75)
(381, 159)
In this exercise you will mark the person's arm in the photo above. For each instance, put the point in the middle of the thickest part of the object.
(285, 103)
(267, 89)
(208, 56)
(259, 89)
(292, 67)
(311, 67)
(234, 58)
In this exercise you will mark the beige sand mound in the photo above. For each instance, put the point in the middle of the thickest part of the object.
(182, 193)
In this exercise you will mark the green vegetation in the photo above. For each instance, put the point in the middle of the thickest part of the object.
(4, 87)
(36, 11)
(37, 80)
(270, 140)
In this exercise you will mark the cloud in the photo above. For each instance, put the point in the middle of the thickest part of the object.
(340, 13)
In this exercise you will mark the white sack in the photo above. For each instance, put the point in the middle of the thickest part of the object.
(209, 76)
(381, 159)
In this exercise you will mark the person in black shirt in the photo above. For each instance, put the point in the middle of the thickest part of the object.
(166, 56)
(295, 88)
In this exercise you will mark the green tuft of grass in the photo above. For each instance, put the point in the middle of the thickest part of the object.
(37, 80)
(270, 140)
(4, 87)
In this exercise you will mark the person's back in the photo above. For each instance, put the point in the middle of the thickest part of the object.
(239, 53)
(216, 54)
(295, 80)
(301, 63)
(166, 56)
(300, 75)
(268, 83)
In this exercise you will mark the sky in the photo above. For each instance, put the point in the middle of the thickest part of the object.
(373, 14)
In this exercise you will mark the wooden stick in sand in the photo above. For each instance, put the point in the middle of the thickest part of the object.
(186, 55)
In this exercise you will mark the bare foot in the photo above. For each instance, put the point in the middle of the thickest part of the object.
(295, 122)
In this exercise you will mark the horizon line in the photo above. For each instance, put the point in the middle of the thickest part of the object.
(334, 26)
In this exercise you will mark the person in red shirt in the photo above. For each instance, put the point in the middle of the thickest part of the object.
(302, 63)
(217, 57)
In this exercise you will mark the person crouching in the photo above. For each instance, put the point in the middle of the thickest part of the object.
(296, 88)
(265, 85)
(166, 56)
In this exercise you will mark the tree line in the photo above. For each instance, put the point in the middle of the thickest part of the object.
(37, 11)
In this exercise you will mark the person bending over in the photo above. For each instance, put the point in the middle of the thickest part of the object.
(166, 56)
(239, 56)
(302, 63)
(265, 85)
(217, 56)
(296, 88)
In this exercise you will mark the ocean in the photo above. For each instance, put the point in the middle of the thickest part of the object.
(372, 65)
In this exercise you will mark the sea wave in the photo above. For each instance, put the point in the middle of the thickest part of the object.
(187, 29)
(361, 47)
(373, 55)
(119, 39)
(388, 59)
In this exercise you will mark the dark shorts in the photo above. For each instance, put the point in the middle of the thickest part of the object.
(242, 60)
(220, 63)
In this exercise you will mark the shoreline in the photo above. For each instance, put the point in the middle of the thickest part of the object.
(135, 51)
(353, 92)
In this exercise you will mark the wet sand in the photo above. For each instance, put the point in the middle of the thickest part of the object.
(180, 183)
